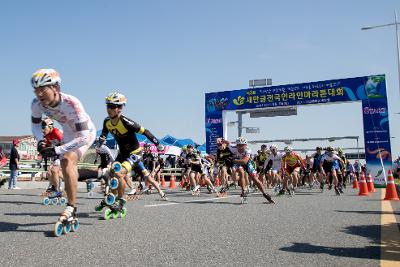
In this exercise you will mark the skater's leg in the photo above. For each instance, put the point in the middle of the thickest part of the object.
(69, 166)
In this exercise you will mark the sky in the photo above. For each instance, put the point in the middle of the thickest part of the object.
(165, 55)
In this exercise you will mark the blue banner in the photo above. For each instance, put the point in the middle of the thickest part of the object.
(371, 90)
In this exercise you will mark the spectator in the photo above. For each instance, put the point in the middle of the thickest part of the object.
(14, 165)
(170, 161)
(357, 169)
(3, 158)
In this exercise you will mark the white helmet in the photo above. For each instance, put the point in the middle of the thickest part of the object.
(241, 141)
(272, 147)
(288, 149)
(45, 77)
(116, 99)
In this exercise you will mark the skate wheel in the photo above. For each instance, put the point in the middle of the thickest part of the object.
(54, 201)
(115, 214)
(58, 229)
(67, 228)
(63, 201)
(114, 183)
(75, 226)
(107, 214)
(46, 201)
(110, 199)
(124, 212)
(116, 167)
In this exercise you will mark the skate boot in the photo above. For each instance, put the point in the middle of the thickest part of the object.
(164, 196)
(116, 210)
(290, 192)
(54, 198)
(269, 198)
(223, 191)
(68, 222)
(100, 206)
(337, 191)
(51, 188)
(340, 188)
(211, 190)
(196, 190)
(243, 197)
(281, 192)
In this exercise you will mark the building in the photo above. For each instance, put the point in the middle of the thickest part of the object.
(27, 146)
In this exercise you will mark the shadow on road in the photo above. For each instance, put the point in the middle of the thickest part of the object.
(18, 202)
(15, 227)
(376, 212)
(369, 252)
(21, 194)
(391, 248)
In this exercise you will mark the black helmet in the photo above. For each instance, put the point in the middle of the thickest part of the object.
(329, 149)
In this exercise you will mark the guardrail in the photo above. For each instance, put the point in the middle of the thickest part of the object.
(32, 168)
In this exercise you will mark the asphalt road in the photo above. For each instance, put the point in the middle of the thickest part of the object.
(309, 229)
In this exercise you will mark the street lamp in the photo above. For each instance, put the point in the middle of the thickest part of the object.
(396, 24)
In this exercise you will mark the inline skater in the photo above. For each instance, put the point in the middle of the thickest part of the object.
(52, 137)
(124, 131)
(243, 165)
(342, 170)
(291, 164)
(273, 167)
(196, 171)
(106, 158)
(78, 135)
(316, 169)
(330, 165)
(308, 177)
(149, 161)
(260, 159)
(349, 172)
(224, 164)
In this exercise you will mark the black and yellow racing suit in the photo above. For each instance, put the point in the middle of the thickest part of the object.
(130, 151)
(260, 160)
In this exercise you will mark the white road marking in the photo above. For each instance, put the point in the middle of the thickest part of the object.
(188, 201)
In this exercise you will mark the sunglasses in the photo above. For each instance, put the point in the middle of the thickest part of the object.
(113, 106)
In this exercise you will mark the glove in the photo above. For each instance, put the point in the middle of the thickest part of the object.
(41, 144)
(48, 152)
(160, 147)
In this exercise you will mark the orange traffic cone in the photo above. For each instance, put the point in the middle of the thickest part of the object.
(363, 186)
(355, 182)
(217, 183)
(172, 182)
(370, 184)
(162, 181)
(391, 193)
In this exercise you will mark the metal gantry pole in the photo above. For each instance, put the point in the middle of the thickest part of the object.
(397, 43)
(240, 123)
